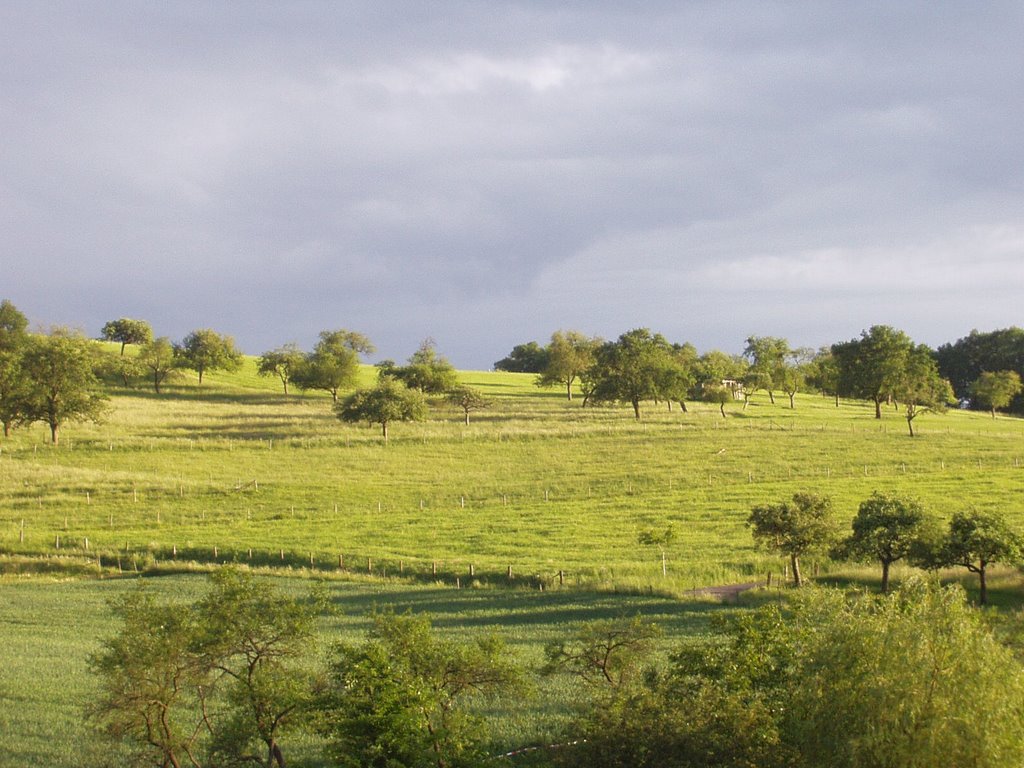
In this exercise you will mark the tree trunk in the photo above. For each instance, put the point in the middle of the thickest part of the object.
(983, 595)
(682, 406)
(664, 565)
(156, 382)
(384, 430)
(285, 382)
(885, 576)
(467, 417)
(721, 407)
(878, 407)
(837, 399)
(200, 372)
(122, 347)
(910, 423)
(7, 429)
(54, 432)
(993, 413)
(275, 755)
(791, 396)
(568, 389)
(771, 396)
(636, 408)
(796, 570)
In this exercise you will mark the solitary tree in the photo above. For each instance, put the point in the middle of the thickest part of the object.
(282, 362)
(794, 528)
(389, 401)
(158, 360)
(127, 331)
(61, 385)
(206, 350)
(468, 399)
(996, 390)
(569, 354)
(976, 539)
(334, 362)
(885, 529)
(719, 394)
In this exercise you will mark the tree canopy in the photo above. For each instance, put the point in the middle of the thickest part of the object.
(794, 528)
(885, 529)
(206, 350)
(530, 357)
(127, 331)
(333, 364)
(61, 384)
(569, 354)
(873, 366)
(383, 404)
(996, 389)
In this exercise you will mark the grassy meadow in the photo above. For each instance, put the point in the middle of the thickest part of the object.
(236, 470)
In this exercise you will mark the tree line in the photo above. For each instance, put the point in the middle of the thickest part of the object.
(55, 377)
(909, 679)
(886, 529)
(882, 365)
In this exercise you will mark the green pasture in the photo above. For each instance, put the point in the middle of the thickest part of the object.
(236, 470)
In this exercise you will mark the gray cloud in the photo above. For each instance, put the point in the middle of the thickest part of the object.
(486, 173)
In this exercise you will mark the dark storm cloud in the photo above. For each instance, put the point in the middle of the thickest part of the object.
(487, 173)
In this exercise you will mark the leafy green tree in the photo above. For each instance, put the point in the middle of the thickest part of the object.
(282, 362)
(158, 360)
(60, 381)
(996, 389)
(13, 326)
(631, 369)
(886, 529)
(206, 350)
(427, 371)
(399, 699)
(153, 688)
(975, 540)
(718, 394)
(873, 366)
(569, 354)
(254, 639)
(920, 387)
(334, 362)
(127, 331)
(767, 356)
(385, 403)
(524, 358)
(468, 399)
(14, 389)
(216, 682)
(794, 528)
(660, 539)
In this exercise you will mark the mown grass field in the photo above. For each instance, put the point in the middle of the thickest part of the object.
(535, 483)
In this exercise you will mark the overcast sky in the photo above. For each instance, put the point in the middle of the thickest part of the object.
(485, 173)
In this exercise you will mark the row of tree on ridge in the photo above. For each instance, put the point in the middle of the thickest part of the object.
(52, 378)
